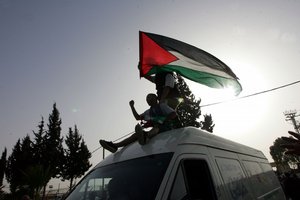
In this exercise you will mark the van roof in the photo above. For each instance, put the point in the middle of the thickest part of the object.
(169, 141)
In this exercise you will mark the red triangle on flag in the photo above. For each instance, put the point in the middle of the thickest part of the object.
(151, 54)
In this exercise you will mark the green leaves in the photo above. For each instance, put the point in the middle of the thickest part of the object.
(76, 156)
(189, 111)
(281, 159)
(33, 163)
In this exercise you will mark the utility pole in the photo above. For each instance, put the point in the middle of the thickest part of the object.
(290, 116)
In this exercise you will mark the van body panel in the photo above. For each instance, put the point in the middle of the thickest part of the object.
(200, 165)
(169, 140)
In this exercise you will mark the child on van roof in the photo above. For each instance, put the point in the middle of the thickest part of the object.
(166, 88)
(159, 116)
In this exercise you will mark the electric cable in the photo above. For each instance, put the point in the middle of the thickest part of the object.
(220, 102)
(250, 95)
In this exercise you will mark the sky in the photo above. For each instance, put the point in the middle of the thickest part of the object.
(83, 56)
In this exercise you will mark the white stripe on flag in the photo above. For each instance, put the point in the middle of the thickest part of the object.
(191, 64)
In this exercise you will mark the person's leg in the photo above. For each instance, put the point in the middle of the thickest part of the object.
(127, 141)
(141, 134)
(144, 136)
(153, 132)
(110, 146)
(113, 147)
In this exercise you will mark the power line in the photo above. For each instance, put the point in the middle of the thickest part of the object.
(220, 102)
(250, 95)
(290, 116)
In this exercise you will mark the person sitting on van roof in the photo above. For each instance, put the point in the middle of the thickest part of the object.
(166, 88)
(293, 145)
(158, 116)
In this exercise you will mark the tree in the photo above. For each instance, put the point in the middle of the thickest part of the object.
(189, 109)
(12, 171)
(208, 123)
(49, 144)
(27, 158)
(17, 163)
(39, 145)
(2, 166)
(53, 143)
(76, 161)
(41, 167)
(37, 177)
(281, 160)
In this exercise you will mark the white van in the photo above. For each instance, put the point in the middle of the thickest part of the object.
(181, 164)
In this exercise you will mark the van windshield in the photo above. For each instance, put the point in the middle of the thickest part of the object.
(133, 179)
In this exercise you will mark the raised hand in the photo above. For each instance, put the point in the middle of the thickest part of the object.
(131, 103)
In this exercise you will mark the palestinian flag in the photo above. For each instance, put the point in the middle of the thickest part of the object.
(160, 53)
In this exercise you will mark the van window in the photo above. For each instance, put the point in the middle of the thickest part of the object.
(179, 188)
(256, 177)
(269, 174)
(193, 181)
(134, 179)
(234, 178)
(263, 180)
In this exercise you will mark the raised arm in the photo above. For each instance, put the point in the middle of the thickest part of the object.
(135, 114)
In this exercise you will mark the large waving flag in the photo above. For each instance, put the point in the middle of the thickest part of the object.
(160, 53)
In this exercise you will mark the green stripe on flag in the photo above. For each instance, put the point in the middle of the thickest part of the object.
(204, 78)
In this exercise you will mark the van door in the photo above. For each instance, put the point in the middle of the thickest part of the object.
(193, 180)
